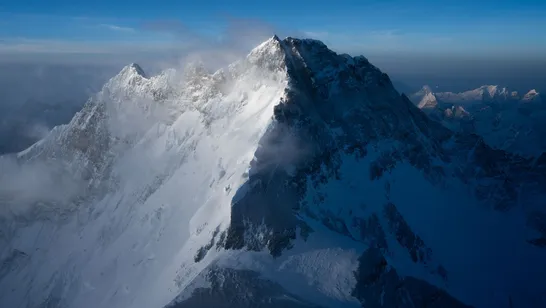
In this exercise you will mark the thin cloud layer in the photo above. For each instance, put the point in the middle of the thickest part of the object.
(117, 28)
(147, 42)
(212, 46)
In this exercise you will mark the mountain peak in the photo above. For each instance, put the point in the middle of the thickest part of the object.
(133, 69)
(489, 87)
(428, 101)
(424, 98)
(293, 54)
(268, 53)
(531, 96)
(291, 47)
(491, 91)
(273, 42)
(130, 74)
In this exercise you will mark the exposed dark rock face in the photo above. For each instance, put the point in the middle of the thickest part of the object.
(316, 104)
(537, 222)
(202, 252)
(324, 86)
(371, 232)
(405, 236)
(379, 285)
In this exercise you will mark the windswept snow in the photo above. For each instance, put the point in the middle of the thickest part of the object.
(168, 191)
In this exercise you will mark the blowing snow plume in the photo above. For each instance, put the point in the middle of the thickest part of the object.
(36, 190)
(295, 177)
(237, 37)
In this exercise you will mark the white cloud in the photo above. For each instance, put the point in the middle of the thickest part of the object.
(319, 35)
(384, 35)
(117, 28)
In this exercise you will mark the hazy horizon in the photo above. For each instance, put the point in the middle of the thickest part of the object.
(410, 72)
(59, 55)
(454, 44)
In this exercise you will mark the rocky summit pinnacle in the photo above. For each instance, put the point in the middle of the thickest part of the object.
(137, 69)
(294, 177)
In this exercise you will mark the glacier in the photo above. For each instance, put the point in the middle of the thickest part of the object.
(295, 177)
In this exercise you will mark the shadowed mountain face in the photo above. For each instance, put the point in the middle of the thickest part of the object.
(296, 177)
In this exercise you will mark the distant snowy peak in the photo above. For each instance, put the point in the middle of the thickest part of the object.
(483, 94)
(420, 97)
(428, 101)
(494, 91)
(457, 112)
(532, 96)
(506, 119)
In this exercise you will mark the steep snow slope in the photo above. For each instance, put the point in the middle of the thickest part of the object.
(158, 172)
(504, 119)
(296, 177)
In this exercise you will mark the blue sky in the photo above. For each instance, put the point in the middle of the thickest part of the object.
(388, 26)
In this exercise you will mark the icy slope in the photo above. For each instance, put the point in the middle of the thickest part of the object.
(296, 177)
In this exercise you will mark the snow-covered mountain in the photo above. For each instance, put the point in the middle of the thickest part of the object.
(296, 177)
(482, 94)
(505, 119)
(532, 96)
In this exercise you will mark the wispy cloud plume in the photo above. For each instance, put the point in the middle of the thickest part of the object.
(318, 35)
(117, 28)
(388, 34)
(131, 40)
(218, 45)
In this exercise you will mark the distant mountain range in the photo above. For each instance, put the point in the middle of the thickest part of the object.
(506, 119)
